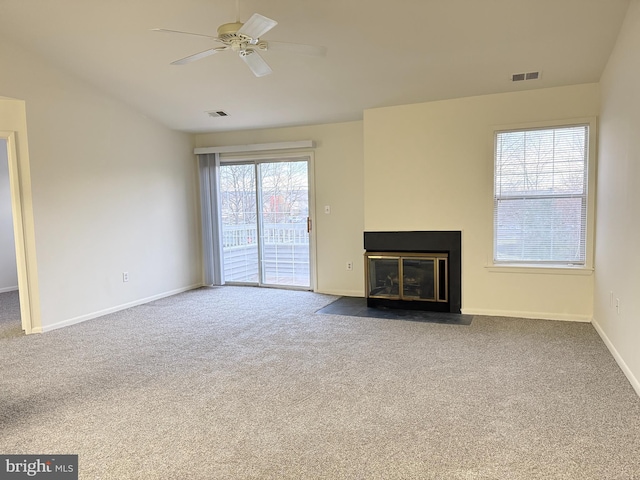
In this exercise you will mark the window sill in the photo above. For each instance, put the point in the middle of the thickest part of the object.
(535, 269)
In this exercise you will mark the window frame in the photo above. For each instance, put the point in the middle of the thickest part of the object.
(550, 267)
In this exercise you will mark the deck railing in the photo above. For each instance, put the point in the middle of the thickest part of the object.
(285, 253)
(234, 236)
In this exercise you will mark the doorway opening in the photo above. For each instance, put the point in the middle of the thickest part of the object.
(10, 319)
(13, 133)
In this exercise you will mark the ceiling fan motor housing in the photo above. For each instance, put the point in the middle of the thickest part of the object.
(228, 32)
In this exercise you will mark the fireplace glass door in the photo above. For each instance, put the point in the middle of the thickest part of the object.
(418, 280)
(407, 276)
(384, 273)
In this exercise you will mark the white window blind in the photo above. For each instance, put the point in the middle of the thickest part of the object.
(540, 196)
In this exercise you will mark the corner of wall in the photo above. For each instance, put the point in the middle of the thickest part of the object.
(635, 383)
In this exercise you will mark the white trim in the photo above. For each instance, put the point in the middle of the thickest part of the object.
(565, 317)
(313, 235)
(264, 157)
(618, 358)
(8, 289)
(342, 293)
(256, 147)
(542, 124)
(539, 269)
(124, 306)
(26, 264)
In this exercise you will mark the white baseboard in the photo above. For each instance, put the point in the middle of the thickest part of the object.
(342, 293)
(124, 306)
(8, 289)
(618, 358)
(565, 317)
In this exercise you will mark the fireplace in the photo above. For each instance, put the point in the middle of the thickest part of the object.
(414, 270)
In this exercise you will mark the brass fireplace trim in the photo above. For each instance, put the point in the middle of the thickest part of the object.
(400, 256)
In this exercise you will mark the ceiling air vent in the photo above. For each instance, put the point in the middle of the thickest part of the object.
(520, 77)
(217, 113)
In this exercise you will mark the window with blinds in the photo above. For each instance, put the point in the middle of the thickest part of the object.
(540, 196)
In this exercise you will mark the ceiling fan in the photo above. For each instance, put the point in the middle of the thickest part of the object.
(244, 39)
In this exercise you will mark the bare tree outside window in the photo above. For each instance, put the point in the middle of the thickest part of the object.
(284, 192)
(237, 188)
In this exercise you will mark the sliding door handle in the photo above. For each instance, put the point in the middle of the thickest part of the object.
(308, 224)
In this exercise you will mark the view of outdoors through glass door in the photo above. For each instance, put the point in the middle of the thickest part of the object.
(264, 223)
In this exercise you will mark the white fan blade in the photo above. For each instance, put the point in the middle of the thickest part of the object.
(297, 48)
(257, 26)
(256, 63)
(197, 56)
(164, 30)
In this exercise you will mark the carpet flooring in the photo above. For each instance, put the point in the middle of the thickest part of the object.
(10, 324)
(249, 383)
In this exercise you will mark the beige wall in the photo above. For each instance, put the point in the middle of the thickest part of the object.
(338, 183)
(112, 191)
(618, 226)
(429, 166)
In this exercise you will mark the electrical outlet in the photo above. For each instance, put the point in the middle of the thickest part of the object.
(125, 276)
(349, 266)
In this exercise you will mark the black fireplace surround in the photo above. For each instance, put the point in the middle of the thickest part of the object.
(449, 242)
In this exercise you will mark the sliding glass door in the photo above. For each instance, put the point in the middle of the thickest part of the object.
(239, 223)
(283, 212)
(265, 222)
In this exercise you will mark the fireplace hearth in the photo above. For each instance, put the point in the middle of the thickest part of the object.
(418, 270)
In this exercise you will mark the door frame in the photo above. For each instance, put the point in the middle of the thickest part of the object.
(25, 292)
(271, 157)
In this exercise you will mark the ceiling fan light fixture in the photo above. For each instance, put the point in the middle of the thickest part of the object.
(244, 39)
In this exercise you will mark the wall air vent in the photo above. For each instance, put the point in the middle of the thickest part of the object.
(217, 113)
(520, 77)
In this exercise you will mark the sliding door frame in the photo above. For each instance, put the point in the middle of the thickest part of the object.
(273, 157)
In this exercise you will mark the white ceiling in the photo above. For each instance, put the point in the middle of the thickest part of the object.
(380, 53)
